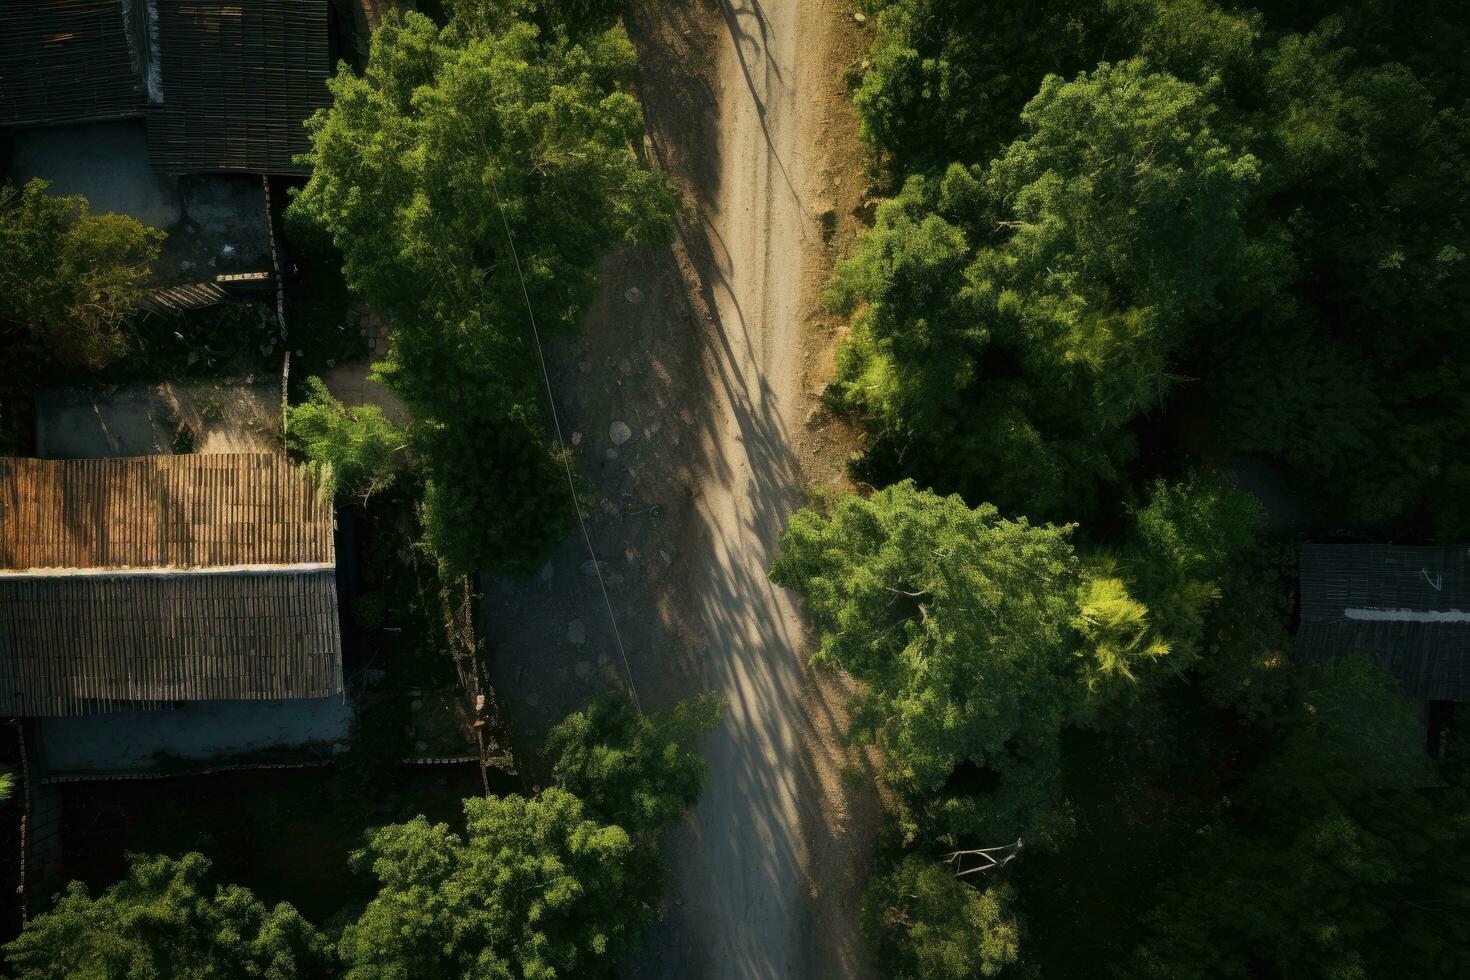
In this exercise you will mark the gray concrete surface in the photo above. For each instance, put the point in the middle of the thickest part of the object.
(197, 731)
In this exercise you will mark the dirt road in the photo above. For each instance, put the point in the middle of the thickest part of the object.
(752, 868)
(710, 353)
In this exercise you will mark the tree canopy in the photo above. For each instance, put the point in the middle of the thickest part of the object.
(72, 277)
(1346, 856)
(1077, 263)
(534, 890)
(1121, 249)
(358, 450)
(558, 884)
(164, 920)
(637, 771)
(1255, 212)
(502, 147)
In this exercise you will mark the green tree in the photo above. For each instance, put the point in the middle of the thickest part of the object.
(358, 450)
(452, 144)
(1185, 536)
(926, 924)
(945, 79)
(1014, 318)
(72, 277)
(1344, 854)
(163, 921)
(535, 890)
(637, 771)
(417, 160)
(495, 493)
(960, 624)
(1354, 380)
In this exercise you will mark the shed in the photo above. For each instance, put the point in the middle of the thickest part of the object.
(1407, 607)
(68, 61)
(139, 582)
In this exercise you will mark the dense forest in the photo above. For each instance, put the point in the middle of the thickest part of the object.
(1123, 246)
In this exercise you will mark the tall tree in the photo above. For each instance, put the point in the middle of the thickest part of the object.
(1344, 855)
(928, 924)
(359, 451)
(455, 143)
(534, 891)
(558, 885)
(637, 771)
(416, 161)
(959, 622)
(1015, 317)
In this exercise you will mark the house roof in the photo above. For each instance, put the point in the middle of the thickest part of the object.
(69, 61)
(238, 80)
(72, 645)
(128, 582)
(1406, 607)
(161, 512)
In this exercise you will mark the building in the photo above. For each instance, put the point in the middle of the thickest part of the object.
(1408, 608)
(187, 586)
(222, 85)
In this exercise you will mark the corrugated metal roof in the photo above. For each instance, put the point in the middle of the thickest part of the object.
(81, 644)
(161, 511)
(239, 79)
(69, 61)
(1406, 607)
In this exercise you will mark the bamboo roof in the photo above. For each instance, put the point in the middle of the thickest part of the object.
(161, 512)
(239, 79)
(67, 61)
(74, 645)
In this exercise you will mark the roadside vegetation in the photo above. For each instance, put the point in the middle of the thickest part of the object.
(560, 882)
(469, 163)
(1121, 245)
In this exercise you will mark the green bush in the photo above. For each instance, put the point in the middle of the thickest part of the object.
(358, 452)
(72, 277)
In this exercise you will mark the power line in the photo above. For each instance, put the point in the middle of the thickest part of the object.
(562, 449)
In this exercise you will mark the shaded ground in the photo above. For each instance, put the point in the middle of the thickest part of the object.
(143, 420)
(710, 354)
(284, 833)
(215, 223)
(195, 731)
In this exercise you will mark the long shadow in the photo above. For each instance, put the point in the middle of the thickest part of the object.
(732, 16)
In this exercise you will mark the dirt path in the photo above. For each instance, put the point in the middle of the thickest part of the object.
(711, 353)
(765, 876)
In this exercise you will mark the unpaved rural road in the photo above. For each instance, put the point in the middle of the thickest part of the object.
(710, 351)
(749, 867)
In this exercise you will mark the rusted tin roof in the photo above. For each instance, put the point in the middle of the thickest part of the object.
(1407, 607)
(81, 644)
(161, 512)
(129, 582)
